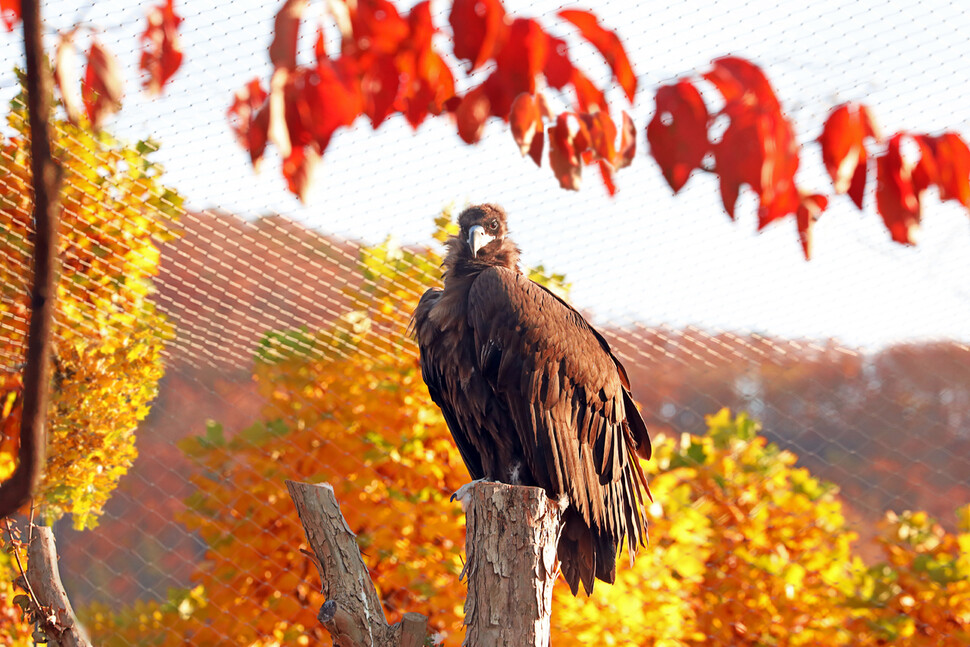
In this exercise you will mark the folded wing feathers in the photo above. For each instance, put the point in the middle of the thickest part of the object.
(570, 404)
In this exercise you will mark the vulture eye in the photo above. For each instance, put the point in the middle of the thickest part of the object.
(493, 225)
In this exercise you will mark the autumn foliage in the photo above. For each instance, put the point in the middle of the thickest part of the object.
(108, 335)
(101, 89)
(745, 547)
(389, 63)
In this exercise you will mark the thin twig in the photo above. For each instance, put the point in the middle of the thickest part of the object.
(30, 522)
(20, 566)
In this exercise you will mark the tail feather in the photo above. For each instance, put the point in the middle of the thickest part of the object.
(585, 554)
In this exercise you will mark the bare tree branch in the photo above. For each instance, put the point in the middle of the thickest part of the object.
(352, 613)
(55, 616)
(17, 490)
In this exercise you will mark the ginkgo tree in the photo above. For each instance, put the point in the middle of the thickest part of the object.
(108, 335)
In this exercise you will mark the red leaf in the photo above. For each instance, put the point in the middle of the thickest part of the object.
(602, 135)
(331, 98)
(298, 169)
(67, 77)
(427, 82)
(678, 132)
(953, 167)
(779, 202)
(926, 171)
(608, 44)
(101, 90)
(286, 31)
(809, 209)
(471, 115)
(741, 80)
(896, 199)
(257, 136)
(606, 172)
(479, 30)
(759, 149)
(779, 196)
(535, 150)
(521, 58)
(246, 102)
(300, 121)
(10, 12)
(588, 96)
(163, 47)
(569, 173)
(628, 143)
(429, 89)
(844, 151)
(525, 121)
(377, 27)
(558, 69)
(420, 26)
(380, 85)
(568, 139)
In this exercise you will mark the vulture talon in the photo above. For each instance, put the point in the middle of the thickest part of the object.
(465, 490)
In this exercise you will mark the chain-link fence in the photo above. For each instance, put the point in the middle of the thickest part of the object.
(283, 343)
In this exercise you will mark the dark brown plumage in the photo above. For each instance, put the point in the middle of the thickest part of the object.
(533, 395)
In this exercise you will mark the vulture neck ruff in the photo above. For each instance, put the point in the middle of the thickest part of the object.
(459, 262)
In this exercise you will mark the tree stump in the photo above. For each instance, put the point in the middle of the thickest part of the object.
(511, 541)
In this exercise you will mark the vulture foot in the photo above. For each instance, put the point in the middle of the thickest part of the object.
(462, 493)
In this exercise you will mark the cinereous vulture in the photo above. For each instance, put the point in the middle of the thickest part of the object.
(533, 395)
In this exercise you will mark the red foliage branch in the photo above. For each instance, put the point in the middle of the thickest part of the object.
(758, 149)
(388, 64)
(944, 162)
(102, 87)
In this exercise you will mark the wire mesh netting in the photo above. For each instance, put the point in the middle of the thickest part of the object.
(232, 336)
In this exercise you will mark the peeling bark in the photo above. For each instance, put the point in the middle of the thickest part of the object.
(511, 543)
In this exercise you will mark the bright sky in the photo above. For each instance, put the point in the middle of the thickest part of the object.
(645, 255)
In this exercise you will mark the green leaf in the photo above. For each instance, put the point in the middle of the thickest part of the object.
(214, 434)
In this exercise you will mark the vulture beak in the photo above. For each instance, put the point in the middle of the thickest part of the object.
(477, 238)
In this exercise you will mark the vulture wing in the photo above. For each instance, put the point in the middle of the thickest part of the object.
(569, 402)
(440, 372)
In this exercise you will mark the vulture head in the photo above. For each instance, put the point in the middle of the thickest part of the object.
(482, 239)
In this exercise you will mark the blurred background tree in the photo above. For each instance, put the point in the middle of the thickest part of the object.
(745, 547)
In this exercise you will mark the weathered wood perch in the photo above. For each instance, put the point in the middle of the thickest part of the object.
(511, 541)
(56, 615)
(352, 613)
